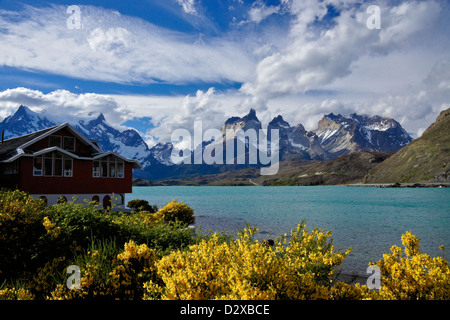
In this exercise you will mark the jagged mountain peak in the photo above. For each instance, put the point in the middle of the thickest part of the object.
(24, 121)
(249, 121)
(278, 121)
(336, 135)
(251, 116)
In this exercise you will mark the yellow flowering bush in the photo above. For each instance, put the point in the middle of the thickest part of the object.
(246, 268)
(105, 277)
(141, 256)
(50, 227)
(413, 275)
(177, 211)
(16, 294)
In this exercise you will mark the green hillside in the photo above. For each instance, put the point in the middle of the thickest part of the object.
(424, 160)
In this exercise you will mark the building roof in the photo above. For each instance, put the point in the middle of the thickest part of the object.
(14, 148)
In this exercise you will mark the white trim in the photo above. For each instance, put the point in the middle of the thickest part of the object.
(105, 154)
(21, 153)
(57, 128)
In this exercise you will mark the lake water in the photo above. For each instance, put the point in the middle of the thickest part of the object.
(368, 219)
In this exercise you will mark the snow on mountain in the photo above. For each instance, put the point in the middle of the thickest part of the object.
(127, 143)
(344, 134)
(24, 121)
(335, 135)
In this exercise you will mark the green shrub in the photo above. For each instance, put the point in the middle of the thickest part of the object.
(141, 205)
(20, 230)
(71, 227)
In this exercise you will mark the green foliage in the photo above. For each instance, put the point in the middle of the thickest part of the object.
(141, 205)
(38, 242)
(147, 255)
(20, 230)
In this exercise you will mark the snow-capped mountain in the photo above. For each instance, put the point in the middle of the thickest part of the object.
(128, 142)
(340, 135)
(296, 141)
(24, 121)
(335, 135)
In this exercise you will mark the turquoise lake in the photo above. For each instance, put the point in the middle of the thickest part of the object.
(368, 219)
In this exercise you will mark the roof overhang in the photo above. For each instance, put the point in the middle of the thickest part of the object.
(21, 153)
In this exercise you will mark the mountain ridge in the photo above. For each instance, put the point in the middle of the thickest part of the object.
(426, 159)
(335, 135)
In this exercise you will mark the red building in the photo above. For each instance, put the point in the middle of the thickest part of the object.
(59, 162)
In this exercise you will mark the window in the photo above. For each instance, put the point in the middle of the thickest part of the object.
(69, 143)
(96, 169)
(54, 141)
(68, 167)
(58, 165)
(112, 167)
(11, 168)
(104, 168)
(107, 202)
(108, 167)
(120, 199)
(53, 165)
(120, 169)
(37, 166)
(62, 199)
(48, 165)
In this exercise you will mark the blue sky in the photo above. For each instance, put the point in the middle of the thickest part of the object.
(159, 65)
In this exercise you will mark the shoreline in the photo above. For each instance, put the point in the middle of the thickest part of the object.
(372, 185)
(402, 185)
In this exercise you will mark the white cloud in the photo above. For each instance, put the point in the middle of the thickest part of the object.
(115, 48)
(259, 11)
(204, 106)
(301, 69)
(188, 6)
(61, 105)
(366, 71)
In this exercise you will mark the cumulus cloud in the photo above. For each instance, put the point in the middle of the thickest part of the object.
(188, 6)
(315, 58)
(205, 107)
(259, 11)
(324, 59)
(341, 66)
(61, 105)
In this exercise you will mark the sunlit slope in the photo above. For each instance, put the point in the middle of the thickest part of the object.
(425, 159)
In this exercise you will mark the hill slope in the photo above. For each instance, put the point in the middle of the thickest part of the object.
(345, 169)
(425, 159)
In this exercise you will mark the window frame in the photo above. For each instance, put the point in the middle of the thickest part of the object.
(53, 157)
(64, 167)
(105, 164)
(52, 137)
(64, 143)
(41, 170)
